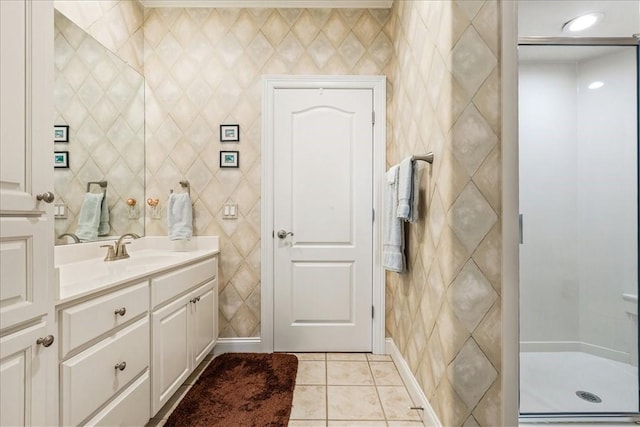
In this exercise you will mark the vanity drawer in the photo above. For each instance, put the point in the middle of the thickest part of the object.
(170, 285)
(130, 408)
(88, 320)
(91, 378)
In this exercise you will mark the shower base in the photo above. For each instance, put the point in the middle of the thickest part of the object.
(549, 382)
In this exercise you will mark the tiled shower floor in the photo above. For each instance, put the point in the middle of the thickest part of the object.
(549, 380)
(337, 389)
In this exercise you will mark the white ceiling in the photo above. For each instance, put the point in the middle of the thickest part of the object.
(546, 17)
(372, 4)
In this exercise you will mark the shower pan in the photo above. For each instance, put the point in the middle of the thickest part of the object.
(578, 186)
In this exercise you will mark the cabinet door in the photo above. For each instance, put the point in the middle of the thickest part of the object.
(26, 148)
(171, 352)
(23, 377)
(204, 328)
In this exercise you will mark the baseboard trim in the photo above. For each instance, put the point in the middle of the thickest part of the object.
(429, 417)
(238, 345)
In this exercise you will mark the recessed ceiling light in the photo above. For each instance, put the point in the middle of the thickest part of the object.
(596, 85)
(583, 22)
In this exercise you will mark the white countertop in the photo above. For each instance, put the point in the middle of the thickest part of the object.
(81, 269)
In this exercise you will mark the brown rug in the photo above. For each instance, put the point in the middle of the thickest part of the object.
(240, 389)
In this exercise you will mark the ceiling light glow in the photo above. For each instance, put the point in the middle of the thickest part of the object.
(583, 22)
(596, 85)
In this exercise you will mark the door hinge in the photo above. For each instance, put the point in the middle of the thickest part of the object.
(373, 117)
(372, 311)
(373, 214)
(273, 234)
(520, 231)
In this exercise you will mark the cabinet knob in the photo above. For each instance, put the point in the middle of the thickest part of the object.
(194, 300)
(45, 341)
(47, 197)
(120, 366)
(121, 311)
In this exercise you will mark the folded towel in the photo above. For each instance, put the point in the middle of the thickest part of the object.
(179, 217)
(393, 246)
(104, 227)
(408, 191)
(89, 217)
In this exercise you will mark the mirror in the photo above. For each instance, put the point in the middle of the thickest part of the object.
(101, 100)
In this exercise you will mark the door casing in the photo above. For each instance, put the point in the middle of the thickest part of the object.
(270, 83)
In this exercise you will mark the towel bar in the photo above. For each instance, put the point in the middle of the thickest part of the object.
(425, 157)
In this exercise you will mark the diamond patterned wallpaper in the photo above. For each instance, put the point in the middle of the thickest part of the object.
(116, 24)
(102, 100)
(444, 315)
(204, 67)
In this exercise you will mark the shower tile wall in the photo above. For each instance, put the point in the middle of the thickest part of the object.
(444, 315)
(204, 67)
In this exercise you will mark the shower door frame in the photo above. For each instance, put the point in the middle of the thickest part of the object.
(582, 41)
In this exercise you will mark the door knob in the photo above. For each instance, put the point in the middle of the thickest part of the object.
(121, 366)
(47, 197)
(282, 234)
(45, 341)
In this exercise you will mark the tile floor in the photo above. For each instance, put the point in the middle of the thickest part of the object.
(336, 389)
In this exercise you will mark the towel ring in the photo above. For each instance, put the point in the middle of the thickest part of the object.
(184, 184)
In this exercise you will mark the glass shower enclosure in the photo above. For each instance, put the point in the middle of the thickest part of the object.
(578, 183)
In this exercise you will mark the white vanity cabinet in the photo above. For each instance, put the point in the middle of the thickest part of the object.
(183, 324)
(104, 369)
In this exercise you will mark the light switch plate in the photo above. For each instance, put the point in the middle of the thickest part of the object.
(230, 211)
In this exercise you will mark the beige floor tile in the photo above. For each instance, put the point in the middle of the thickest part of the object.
(379, 357)
(385, 373)
(347, 356)
(348, 373)
(311, 356)
(309, 403)
(172, 403)
(307, 423)
(405, 424)
(311, 372)
(354, 423)
(353, 403)
(155, 422)
(397, 403)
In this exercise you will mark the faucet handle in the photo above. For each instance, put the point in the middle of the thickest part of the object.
(111, 254)
(123, 249)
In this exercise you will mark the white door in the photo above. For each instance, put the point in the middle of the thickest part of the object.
(323, 202)
(28, 357)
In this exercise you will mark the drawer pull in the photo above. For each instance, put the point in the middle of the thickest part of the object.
(45, 341)
(120, 366)
(195, 300)
(121, 311)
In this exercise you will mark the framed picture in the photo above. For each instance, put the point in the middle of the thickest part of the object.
(60, 133)
(61, 159)
(229, 133)
(229, 159)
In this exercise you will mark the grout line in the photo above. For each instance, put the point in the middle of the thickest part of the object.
(326, 391)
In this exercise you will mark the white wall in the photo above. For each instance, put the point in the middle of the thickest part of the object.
(548, 167)
(607, 197)
(578, 194)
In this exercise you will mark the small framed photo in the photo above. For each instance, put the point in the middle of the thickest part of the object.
(61, 159)
(229, 159)
(229, 133)
(60, 133)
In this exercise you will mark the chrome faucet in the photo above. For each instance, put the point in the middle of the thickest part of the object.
(118, 250)
(73, 236)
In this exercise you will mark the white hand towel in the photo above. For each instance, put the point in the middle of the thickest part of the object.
(89, 217)
(179, 217)
(104, 227)
(393, 246)
(408, 191)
